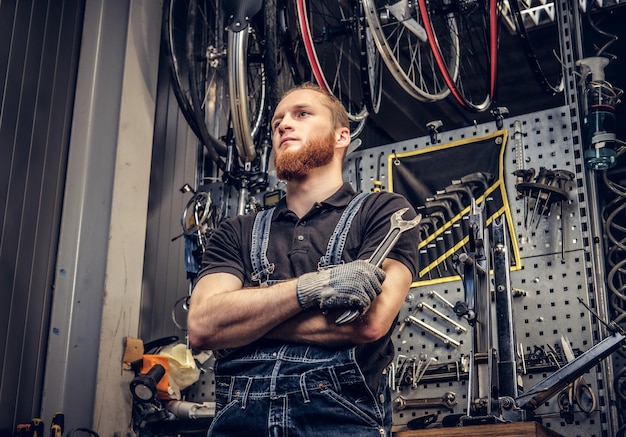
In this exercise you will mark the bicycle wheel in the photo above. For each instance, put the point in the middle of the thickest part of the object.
(371, 65)
(174, 35)
(285, 60)
(330, 35)
(471, 77)
(197, 61)
(550, 80)
(401, 40)
(301, 68)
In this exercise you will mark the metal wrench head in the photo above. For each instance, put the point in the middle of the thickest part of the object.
(397, 222)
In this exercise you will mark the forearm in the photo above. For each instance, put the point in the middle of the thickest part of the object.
(222, 315)
(315, 328)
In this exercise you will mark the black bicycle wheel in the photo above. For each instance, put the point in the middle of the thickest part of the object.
(284, 63)
(193, 37)
(474, 24)
(537, 30)
(174, 34)
(330, 33)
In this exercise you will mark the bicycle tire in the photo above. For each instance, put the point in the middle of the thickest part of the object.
(475, 24)
(185, 55)
(281, 55)
(177, 66)
(330, 34)
(272, 55)
(401, 41)
(371, 65)
(551, 87)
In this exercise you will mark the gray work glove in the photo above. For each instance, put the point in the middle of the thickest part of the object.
(351, 285)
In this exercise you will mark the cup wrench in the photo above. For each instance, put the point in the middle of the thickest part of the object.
(398, 226)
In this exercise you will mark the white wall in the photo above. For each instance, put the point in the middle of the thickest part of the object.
(125, 256)
(98, 277)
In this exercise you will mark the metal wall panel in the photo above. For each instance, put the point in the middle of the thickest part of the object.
(174, 163)
(39, 46)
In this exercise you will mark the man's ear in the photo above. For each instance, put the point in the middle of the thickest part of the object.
(343, 137)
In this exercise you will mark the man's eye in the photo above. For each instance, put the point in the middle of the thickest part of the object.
(304, 113)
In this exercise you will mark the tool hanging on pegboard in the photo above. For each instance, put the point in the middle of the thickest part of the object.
(539, 191)
(441, 183)
(543, 193)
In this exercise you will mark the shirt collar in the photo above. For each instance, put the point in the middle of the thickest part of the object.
(339, 199)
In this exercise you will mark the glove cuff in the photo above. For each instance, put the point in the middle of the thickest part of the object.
(309, 286)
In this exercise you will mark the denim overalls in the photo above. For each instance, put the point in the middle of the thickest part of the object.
(295, 390)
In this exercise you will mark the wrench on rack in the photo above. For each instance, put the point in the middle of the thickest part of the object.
(457, 326)
(447, 401)
(437, 333)
(398, 226)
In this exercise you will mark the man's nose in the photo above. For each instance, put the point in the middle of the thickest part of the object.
(284, 125)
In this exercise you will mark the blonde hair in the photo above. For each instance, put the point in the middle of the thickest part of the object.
(337, 110)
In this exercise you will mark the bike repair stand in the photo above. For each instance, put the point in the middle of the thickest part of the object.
(493, 381)
(482, 407)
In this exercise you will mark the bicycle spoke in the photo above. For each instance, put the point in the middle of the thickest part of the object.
(459, 32)
(530, 35)
(330, 34)
(401, 39)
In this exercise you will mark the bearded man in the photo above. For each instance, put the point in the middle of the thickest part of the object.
(273, 284)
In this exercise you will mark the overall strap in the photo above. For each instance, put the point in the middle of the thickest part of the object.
(262, 269)
(337, 240)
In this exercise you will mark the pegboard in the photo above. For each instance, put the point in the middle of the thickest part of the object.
(554, 273)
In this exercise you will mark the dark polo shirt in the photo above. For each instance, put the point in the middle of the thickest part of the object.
(296, 246)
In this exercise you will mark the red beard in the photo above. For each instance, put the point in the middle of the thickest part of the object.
(295, 165)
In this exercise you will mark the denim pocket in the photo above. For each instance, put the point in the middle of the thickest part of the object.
(362, 407)
(222, 422)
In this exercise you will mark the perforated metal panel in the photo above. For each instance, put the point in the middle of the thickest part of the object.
(552, 278)
(553, 275)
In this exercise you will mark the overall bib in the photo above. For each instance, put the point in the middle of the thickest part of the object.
(294, 390)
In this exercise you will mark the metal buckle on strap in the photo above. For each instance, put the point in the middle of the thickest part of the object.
(263, 276)
(321, 265)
